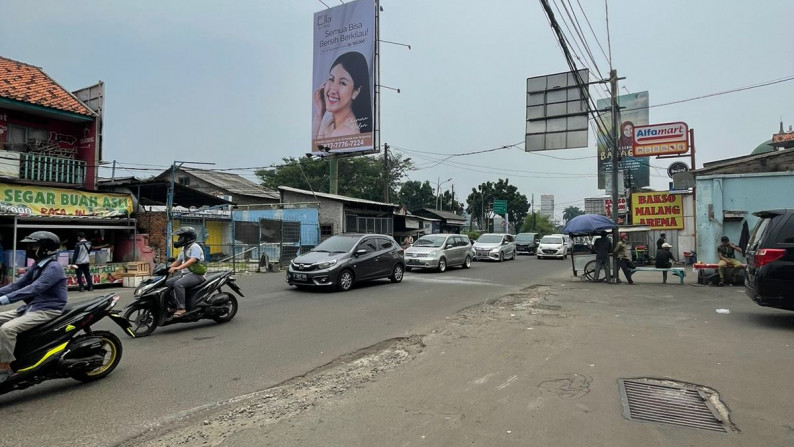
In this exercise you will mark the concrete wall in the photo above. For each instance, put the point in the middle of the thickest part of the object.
(736, 192)
(331, 212)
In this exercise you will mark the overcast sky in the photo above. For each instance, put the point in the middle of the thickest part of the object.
(230, 82)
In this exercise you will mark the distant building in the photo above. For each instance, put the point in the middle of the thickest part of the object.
(547, 205)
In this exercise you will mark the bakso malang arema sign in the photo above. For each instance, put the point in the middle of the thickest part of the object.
(661, 139)
(658, 210)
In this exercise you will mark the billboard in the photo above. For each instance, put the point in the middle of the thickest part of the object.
(633, 112)
(26, 200)
(343, 80)
(557, 111)
(661, 139)
(658, 210)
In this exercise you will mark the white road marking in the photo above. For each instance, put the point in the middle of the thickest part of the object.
(483, 379)
(507, 383)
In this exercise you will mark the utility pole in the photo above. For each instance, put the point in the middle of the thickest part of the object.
(613, 82)
(386, 177)
(169, 211)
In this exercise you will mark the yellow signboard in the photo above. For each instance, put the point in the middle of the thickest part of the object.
(26, 200)
(658, 210)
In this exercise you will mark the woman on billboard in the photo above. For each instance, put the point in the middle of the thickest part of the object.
(626, 136)
(346, 98)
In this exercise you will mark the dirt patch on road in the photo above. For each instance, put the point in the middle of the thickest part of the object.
(214, 424)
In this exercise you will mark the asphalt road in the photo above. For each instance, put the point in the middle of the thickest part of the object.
(279, 333)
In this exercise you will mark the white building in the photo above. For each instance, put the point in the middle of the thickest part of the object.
(547, 205)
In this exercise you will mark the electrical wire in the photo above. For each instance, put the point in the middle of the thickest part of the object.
(592, 31)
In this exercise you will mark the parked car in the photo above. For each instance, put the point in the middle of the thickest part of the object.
(495, 246)
(527, 243)
(552, 246)
(439, 251)
(769, 279)
(345, 259)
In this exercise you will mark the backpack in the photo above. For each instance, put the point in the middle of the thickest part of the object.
(199, 267)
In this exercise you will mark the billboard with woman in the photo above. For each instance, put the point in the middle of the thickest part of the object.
(343, 109)
(633, 112)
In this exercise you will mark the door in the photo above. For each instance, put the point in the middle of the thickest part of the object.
(367, 263)
(388, 250)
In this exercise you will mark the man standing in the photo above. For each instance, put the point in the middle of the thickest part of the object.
(603, 247)
(81, 261)
(727, 257)
(662, 239)
(664, 260)
(623, 259)
(42, 288)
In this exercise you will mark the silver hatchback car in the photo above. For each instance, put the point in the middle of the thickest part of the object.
(439, 251)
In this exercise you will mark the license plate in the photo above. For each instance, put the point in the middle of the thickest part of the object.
(299, 276)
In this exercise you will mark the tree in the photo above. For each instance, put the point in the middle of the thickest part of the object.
(480, 201)
(542, 224)
(571, 212)
(448, 203)
(361, 177)
(415, 195)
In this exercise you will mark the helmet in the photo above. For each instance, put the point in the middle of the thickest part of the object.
(187, 235)
(43, 244)
(624, 235)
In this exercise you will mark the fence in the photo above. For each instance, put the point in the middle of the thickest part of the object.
(261, 245)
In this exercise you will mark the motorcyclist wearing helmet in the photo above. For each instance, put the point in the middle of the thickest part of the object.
(190, 254)
(43, 290)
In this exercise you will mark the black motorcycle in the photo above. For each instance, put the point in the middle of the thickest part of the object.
(67, 347)
(204, 301)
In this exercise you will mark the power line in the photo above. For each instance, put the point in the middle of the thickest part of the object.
(592, 31)
(609, 41)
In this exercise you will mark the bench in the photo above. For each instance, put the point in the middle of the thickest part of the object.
(732, 274)
(680, 272)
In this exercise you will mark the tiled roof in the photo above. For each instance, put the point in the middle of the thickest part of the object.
(26, 83)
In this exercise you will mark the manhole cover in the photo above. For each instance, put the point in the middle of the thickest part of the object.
(668, 403)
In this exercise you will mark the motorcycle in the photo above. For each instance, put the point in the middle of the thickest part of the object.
(67, 347)
(204, 301)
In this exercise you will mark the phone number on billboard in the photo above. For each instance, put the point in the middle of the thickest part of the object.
(345, 144)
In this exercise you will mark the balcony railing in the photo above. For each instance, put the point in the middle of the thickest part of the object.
(43, 168)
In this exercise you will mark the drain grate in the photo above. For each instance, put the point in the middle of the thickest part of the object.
(668, 404)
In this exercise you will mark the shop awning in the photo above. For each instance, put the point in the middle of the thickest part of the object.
(68, 222)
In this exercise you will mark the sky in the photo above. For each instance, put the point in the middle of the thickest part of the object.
(229, 83)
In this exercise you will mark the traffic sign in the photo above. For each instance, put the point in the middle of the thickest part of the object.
(500, 206)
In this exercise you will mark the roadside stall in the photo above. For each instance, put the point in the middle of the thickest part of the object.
(583, 227)
(102, 217)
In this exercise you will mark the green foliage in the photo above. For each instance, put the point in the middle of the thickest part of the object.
(415, 195)
(571, 212)
(541, 225)
(361, 176)
(482, 197)
(473, 235)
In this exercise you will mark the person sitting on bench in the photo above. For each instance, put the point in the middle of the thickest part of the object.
(664, 260)
(727, 257)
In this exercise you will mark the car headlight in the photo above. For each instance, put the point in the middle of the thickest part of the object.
(326, 264)
(433, 254)
(495, 250)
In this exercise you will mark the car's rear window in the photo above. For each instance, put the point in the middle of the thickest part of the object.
(758, 231)
(786, 233)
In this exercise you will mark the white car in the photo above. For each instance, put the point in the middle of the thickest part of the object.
(552, 246)
(495, 246)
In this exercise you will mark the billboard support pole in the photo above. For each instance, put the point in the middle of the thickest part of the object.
(613, 81)
(333, 163)
(376, 128)
(694, 188)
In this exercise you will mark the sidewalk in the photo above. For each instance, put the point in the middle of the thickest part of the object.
(536, 368)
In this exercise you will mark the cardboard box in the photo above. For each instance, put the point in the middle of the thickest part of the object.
(132, 281)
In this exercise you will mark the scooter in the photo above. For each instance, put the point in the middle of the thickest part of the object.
(204, 301)
(67, 347)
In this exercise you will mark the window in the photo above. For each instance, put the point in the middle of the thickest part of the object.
(184, 180)
(370, 245)
(326, 230)
(20, 138)
(385, 244)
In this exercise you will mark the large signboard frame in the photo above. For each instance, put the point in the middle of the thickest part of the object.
(557, 111)
(633, 112)
(661, 139)
(343, 79)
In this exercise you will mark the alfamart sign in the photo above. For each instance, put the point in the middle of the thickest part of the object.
(24, 200)
(658, 210)
(661, 139)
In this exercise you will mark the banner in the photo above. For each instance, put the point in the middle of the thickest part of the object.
(658, 210)
(343, 81)
(26, 200)
(633, 112)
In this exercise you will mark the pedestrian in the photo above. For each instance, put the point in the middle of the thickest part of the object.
(42, 289)
(664, 260)
(603, 247)
(623, 259)
(662, 239)
(727, 257)
(81, 262)
(408, 241)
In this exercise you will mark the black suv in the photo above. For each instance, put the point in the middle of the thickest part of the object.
(770, 260)
(344, 259)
